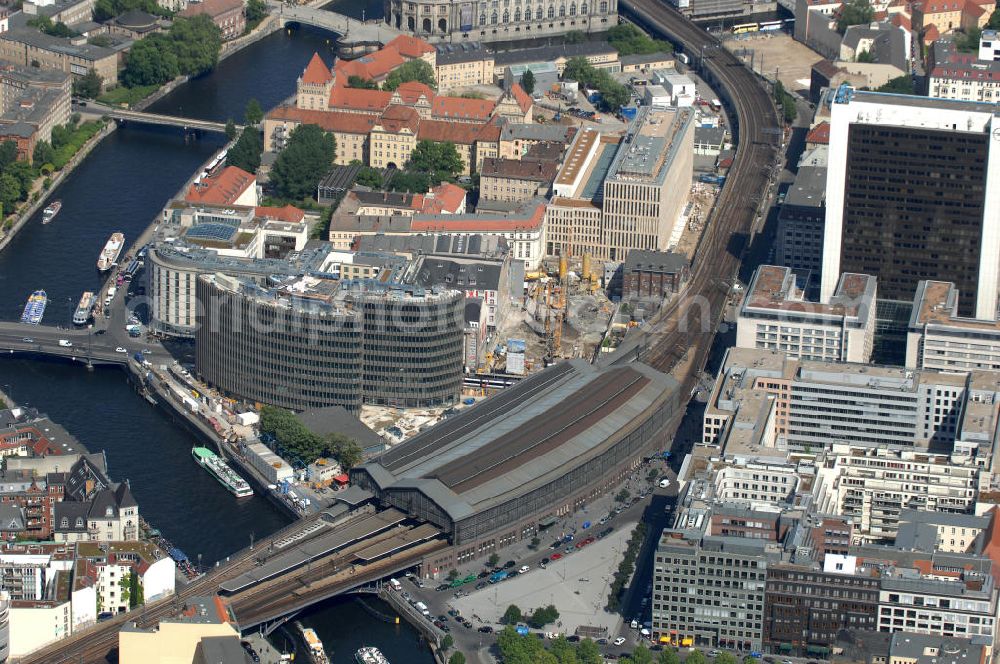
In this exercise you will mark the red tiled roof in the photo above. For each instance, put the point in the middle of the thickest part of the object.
(397, 118)
(212, 8)
(289, 213)
(373, 66)
(410, 47)
(316, 73)
(336, 121)
(489, 132)
(900, 20)
(357, 99)
(819, 134)
(444, 198)
(454, 132)
(931, 34)
(461, 108)
(481, 224)
(411, 92)
(521, 97)
(221, 189)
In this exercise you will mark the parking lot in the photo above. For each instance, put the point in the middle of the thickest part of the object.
(577, 583)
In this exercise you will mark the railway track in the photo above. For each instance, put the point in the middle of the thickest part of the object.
(684, 329)
(677, 339)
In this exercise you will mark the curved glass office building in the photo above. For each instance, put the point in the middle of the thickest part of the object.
(313, 343)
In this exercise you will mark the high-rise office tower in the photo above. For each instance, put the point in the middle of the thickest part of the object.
(913, 192)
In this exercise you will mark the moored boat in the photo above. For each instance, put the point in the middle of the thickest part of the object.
(112, 250)
(84, 309)
(221, 471)
(370, 655)
(50, 211)
(34, 309)
(315, 651)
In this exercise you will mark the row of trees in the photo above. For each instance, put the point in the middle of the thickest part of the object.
(786, 102)
(305, 160)
(105, 10)
(414, 70)
(613, 93)
(292, 437)
(191, 47)
(539, 619)
(630, 40)
(626, 567)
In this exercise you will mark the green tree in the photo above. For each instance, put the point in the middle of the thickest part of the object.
(641, 655)
(749, 659)
(361, 82)
(534, 543)
(447, 642)
(456, 658)
(613, 94)
(864, 56)
(511, 616)
(587, 652)
(968, 41)
(902, 85)
(786, 102)
(230, 129)
(492, 560)
(195, 42)
(452, 574)
(627, 39)
(725, 657)
(414, 182)
(574, 37)
(88, 85)
(10, 191)
(8, 153)
(150, 61)
(45, 24)
(542, 617)
(696, 657)
(306, 158)
(246, 152)
(441, 160)
(623, 496)
(43, 154)
(369, 177)
(345, 450)
(668, 656)
(528, 81)
(103, 41)
(855, 12)
(255, 11)
(994, 22)
(253, 113)
(563, 651)
(413, 70)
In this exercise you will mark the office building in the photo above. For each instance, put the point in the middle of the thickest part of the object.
(774, 315)
(913, 192)
(939, 338)
(801, 218)
(315, 342)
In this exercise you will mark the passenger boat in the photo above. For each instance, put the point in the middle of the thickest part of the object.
(221, 471)
(315, 652)
(112, 250)
(50, 211)
(35, 308)
(370, 655)
(84, 309)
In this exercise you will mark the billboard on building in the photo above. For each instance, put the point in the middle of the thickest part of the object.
(465, 16)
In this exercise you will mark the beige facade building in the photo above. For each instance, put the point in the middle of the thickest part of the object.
(394, 137)
(350, 130)
(514, 180)
(938, 338)
(462, 65)
(176, 640)
(648, 183)
(28, 47)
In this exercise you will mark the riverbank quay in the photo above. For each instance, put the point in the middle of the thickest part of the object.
(57, 178)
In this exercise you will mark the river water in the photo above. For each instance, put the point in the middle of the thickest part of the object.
(122, 186)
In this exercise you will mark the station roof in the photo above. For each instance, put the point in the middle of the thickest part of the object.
(523, 437)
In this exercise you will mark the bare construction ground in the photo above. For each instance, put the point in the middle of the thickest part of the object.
(773, 52)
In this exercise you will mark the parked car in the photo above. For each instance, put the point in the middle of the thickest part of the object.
(509, 564)
(619, 641)
(486, 629)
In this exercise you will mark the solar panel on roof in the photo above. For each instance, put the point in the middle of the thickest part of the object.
(212, 231)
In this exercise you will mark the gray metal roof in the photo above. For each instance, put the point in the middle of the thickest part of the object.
(550, 53)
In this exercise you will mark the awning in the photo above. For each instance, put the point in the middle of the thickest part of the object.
(784, 647)
(817, 650)
(548, 521)
(664, 639)
(341, 479)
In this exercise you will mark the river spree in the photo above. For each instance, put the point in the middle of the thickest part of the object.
(122, 186)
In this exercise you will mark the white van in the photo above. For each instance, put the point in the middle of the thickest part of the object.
(664, 483)
(65, 343)
(395, 585)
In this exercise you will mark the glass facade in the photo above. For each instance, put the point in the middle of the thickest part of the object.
(913, 208)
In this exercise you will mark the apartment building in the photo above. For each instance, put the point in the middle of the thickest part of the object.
(877, 487)
(514, 180)
(24, 45)
(937, 337)
(949, 532)
(799, 242)
(964, 76)
(775, 315)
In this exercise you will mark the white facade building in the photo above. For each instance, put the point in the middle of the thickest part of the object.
(938, 338)
(775, 316)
